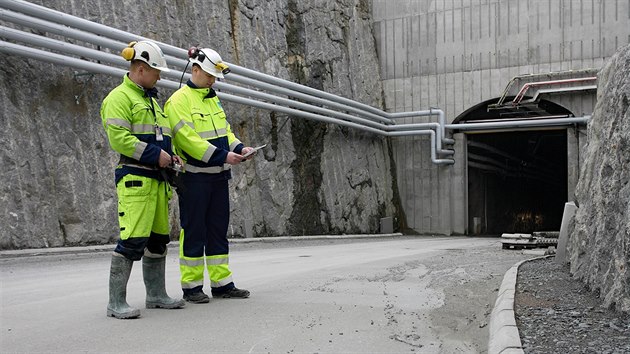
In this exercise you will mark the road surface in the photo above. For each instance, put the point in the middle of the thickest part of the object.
(390, 295)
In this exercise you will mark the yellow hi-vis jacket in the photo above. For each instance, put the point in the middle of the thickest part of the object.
(201, 132)
(136, 128)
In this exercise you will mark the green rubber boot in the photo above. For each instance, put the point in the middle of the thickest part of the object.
(153, 270)
(118, 278)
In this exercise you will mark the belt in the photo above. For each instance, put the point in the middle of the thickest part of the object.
(128, 161)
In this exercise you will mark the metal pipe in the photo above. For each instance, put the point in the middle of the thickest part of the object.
(520, 123)
(45, 13)
(309, 90)
(526, 86)
(54, 58)
(324, 119)
(82, 51)
(115, 59)
(61, 46)
(431, 133)
(291, 103)
(558, 90)
(60, 17)
(365, 122)
(103, 30)
(110, 58)
(430, 112)
(517, 77)
(38, 54)
(87, 37)
(297, 104)
(51, 27)
(303, 96)
(77, 22)
(512, 119)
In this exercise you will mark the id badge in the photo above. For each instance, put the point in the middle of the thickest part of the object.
(158, 133)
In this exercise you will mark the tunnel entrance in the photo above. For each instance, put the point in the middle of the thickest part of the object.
(517, 178)
(517, 181)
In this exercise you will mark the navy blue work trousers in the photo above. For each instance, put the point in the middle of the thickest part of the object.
(204, 207)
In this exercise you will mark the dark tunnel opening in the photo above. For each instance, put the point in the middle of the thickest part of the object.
(517, 181)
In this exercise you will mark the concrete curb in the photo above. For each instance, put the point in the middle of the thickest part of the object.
(504, 337)
(175, 244)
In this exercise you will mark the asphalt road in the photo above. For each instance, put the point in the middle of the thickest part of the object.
(392, 295)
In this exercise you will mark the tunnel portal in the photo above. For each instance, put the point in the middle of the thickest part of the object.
(517, 179)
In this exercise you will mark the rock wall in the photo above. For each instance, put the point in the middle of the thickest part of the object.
(599, 244)
(313, 178)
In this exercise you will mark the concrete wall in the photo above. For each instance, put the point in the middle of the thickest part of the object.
(455, 54)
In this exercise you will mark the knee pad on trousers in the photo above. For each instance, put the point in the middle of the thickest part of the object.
(157, 243)
(132, 248)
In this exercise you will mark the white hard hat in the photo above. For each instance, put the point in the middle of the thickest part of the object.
(209, 61)
(147, 52)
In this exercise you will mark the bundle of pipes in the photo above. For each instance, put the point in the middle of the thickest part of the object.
(303, 101)
(311, 101)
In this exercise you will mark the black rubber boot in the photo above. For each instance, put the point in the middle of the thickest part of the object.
(197, 298)
(118, 278)
(153, 271)
(234, 293)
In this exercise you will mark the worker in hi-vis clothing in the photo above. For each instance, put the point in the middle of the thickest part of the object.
(204, 139)
(137, 128)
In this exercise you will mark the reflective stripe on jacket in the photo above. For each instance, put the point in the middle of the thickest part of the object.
(201, 132)
(130, 119)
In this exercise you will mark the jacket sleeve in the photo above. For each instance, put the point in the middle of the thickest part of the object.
(116, 119)
(185, 137)
(235, 144)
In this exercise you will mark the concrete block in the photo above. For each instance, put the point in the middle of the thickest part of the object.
(546, 234)
(505, 301)
(567, 218)
(248, 228)
(387, 225)
(504, 338)
(477, 225)
(535, 252)
(512, 351)
(502, 318)
(517, 236)
(509, 279)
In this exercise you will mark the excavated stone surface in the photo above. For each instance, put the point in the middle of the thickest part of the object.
(313, 178)
(599, 244)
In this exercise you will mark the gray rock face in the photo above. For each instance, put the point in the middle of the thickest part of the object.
(599, 244)
(313, 178)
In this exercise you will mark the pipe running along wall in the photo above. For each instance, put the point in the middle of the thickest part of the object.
(373, 117)
(363, 117)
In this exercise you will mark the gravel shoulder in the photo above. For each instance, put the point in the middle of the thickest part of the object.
(557, 313)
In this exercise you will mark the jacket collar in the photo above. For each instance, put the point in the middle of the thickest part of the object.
(206, 92)
(152, 92)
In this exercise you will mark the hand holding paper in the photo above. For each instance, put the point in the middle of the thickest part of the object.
(253, 150)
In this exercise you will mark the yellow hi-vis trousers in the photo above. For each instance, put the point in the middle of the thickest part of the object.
(192, 268)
